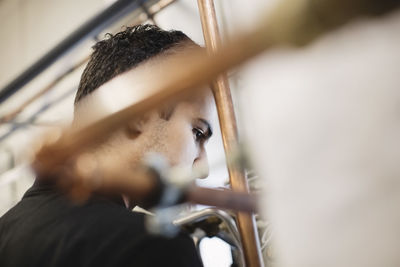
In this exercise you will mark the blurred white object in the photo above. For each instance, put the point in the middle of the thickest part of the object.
(324, 132)
(215, 252)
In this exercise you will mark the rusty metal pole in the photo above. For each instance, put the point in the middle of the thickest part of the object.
(223, 99)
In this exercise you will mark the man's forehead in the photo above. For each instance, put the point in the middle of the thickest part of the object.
(125, 89)
(135, 85)
(202, 106)
(140, 82)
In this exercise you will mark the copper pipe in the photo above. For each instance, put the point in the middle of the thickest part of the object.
(225, 199)
(223, 99)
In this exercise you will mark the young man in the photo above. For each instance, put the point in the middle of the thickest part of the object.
(46, 229)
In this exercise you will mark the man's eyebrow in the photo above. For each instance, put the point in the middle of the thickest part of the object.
(209, 131)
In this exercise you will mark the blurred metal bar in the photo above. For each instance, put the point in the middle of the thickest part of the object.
(223, 99)
(90, 29)
(226, 199)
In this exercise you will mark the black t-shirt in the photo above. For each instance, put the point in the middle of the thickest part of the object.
(46, 229)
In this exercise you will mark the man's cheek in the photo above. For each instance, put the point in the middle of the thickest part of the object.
(184, 151)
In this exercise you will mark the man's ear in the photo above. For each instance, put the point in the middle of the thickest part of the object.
(135, 127)
(166, 111)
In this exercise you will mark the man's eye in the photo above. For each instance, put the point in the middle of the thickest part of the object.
(198, 134)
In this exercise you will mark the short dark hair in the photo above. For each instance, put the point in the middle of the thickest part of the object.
(123, 51)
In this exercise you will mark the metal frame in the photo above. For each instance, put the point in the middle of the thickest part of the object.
(231, 236)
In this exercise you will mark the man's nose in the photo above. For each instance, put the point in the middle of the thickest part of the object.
(200, 165)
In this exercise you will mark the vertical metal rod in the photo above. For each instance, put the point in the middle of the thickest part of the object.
(246, 222)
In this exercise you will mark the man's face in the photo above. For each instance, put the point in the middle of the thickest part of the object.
(180, 139)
